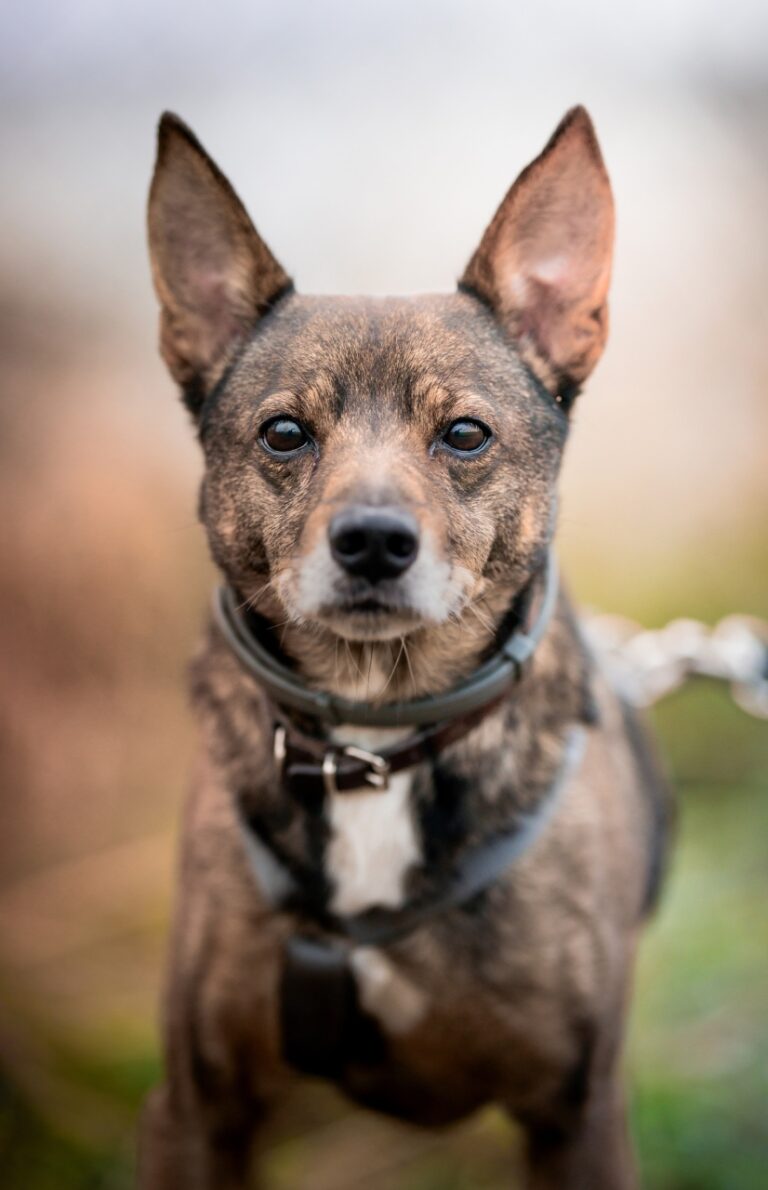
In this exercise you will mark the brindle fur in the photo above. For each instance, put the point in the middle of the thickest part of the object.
(522, 991)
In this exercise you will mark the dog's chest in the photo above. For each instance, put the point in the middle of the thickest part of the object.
(374, 840)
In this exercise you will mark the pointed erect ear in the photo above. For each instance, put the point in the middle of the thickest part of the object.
(213, 273)
(544, 263)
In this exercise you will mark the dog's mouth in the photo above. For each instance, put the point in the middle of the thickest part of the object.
(369, 616)
(371, 604)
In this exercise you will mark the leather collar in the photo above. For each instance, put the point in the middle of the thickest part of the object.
(311, 769)
(488, 683)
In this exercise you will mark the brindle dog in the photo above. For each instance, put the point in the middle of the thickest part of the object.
(380, 486)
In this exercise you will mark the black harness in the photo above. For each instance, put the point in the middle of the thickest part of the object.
(323, 1026)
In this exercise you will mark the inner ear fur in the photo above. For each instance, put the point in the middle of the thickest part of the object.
(544, 263)
(213, 273)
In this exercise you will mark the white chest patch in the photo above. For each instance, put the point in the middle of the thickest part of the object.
(373, 836)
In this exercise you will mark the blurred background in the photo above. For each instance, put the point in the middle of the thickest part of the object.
(371, 144)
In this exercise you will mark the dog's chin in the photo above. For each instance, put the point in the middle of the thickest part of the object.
(369, 620)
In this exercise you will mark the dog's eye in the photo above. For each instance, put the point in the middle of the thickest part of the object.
(466, 436)
(283, 435)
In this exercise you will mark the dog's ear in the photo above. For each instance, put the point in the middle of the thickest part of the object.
(213, 273)
(544, 263)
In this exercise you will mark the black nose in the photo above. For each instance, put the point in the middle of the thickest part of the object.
(375, 543)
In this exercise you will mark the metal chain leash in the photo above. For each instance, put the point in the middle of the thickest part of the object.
(650, 663)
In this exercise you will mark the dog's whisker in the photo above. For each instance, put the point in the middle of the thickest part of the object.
(483, 620)
(251, 600)
(282, 623)
(408, 663)
(368, 675)
(394, 667)
(284, 626)
(348, 657)
(352, 659)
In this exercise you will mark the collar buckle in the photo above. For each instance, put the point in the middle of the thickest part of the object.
(376, 776)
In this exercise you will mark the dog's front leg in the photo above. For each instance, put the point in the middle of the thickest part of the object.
(591, 1150)
(193, 1147)
(222, 1062)
(199, 1127)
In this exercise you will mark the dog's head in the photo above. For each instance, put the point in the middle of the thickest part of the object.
(379, 467)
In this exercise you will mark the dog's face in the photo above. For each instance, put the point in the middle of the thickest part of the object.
(377, 461)
(375, 466)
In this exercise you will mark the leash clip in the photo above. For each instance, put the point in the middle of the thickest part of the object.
(377, 775)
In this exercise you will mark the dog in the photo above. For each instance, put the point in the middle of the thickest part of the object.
(425, 830)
